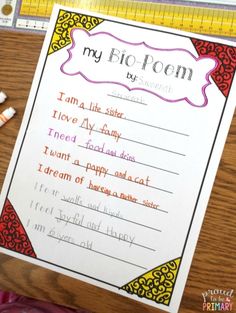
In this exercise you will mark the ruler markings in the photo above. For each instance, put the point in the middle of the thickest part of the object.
(202, 20)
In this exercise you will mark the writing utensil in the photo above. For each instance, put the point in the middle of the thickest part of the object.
(3, 96)
(6, 115)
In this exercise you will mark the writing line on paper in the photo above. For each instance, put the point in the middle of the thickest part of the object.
(105, 131)
(95, 251)
(106, 213)
(157, 127)
(106, 234)
(92, 167)
(122, 196)
(126, 99)
(96, 108)
(92, 148)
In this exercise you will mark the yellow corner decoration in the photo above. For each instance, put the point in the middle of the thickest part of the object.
(65, 23)
(156, 285)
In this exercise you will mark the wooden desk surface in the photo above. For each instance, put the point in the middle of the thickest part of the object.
(214, 263)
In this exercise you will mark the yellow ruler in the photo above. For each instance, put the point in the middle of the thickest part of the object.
(212, 21)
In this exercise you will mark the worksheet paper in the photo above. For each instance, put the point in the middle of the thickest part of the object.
(117, 153)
